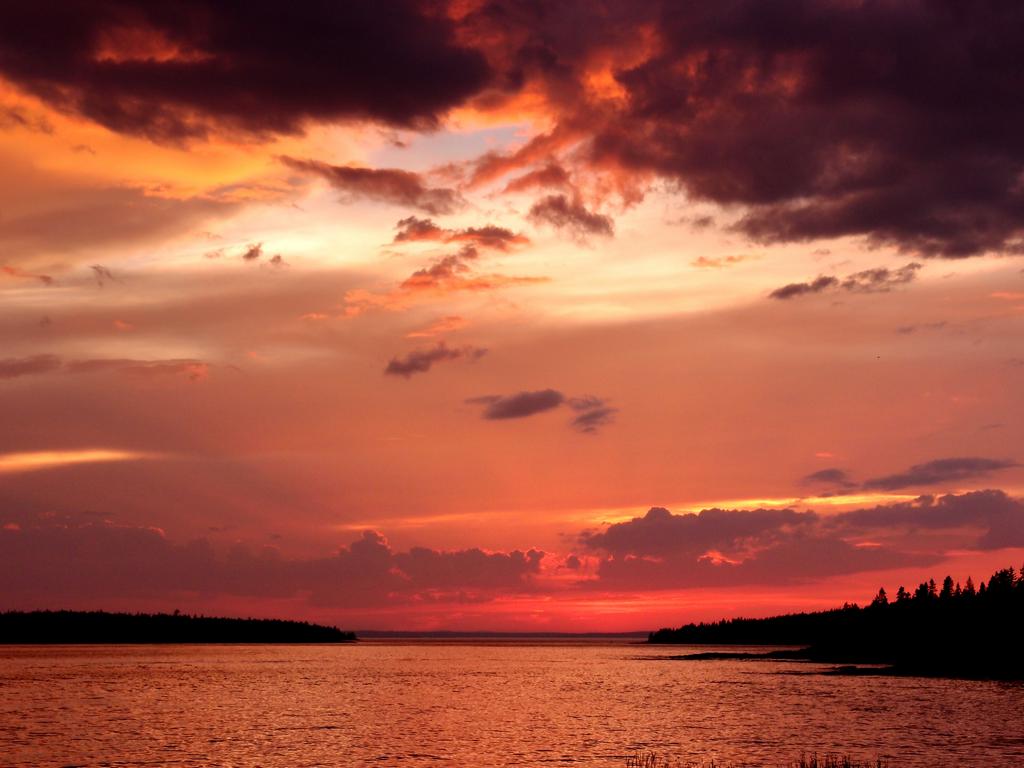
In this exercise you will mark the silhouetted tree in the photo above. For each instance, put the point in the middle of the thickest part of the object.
(947, 588)
(1002, 582)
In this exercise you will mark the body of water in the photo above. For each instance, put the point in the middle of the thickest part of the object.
(478, 703)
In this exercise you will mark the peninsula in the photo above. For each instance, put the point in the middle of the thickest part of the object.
(100, 627)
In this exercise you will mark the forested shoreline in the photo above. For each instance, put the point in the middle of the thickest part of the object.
(83, 627)
(948, 629)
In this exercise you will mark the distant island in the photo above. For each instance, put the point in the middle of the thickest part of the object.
(449, 634)
(951, 630)
(82, 627)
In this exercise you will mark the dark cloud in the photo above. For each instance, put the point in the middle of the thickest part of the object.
(769, 546)
(54, 560)
(898, 122)
(660, 533)
(803, 557)
(719, 547)
(386, 185)
(474, 567)
(593, 420)
(792, 290)
(57, 559)
(794, 560)
(805, 118)
(999, 517)
(171, 71)
(412, 229)
(593, 413)
(847, 131)
(585, 403)
(519, 405)
(15, 367)
(938, 472)
(831, 476)
(562, 213)
(421, 360)
(879, 280)
(252, 252)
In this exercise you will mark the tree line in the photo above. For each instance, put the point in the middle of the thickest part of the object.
(60, 627)
(947, 628)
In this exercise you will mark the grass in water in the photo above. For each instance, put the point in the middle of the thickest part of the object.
(654, 760)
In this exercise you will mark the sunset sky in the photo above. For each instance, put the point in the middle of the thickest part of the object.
(489, 314)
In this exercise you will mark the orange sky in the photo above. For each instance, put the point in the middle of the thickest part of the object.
(405, 352)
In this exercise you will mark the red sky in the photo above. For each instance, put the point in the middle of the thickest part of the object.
(405, 316)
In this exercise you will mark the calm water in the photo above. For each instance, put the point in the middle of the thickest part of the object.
(476, 704)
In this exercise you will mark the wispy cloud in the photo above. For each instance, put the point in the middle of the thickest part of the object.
(569, 214)
(32, 461)
(450, 274)
(413, 229)
(422, 360)
(592, 413)
(879, 280)
(928, 474)
(519, 405)
(385, 185)
(940, 471)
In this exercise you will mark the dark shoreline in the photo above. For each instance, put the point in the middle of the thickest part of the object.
(953, 630)
(103, 628)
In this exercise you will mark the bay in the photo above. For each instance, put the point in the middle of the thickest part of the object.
(478, 702)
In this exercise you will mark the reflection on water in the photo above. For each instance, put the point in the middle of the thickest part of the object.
(411, 703)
